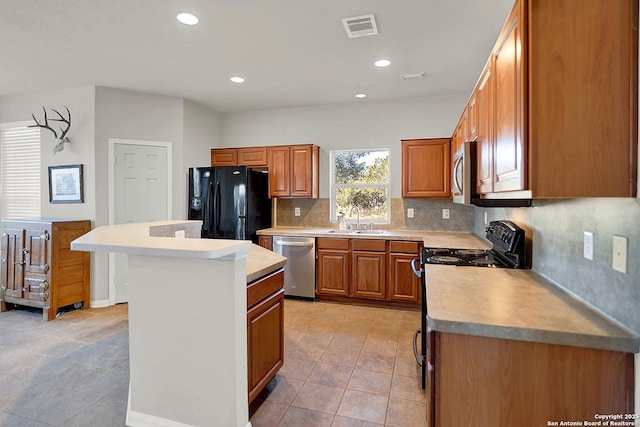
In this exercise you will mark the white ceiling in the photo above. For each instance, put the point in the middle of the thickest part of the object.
(292, 52)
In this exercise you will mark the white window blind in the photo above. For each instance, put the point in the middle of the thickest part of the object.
(19, 172)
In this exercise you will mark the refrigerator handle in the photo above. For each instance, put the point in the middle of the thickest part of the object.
(207, 214)
(217, 207)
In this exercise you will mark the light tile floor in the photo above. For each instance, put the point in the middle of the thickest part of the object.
(344, 366)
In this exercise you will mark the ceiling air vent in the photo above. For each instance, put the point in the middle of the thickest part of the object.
(360, 26)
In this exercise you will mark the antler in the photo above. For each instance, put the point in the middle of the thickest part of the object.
(62, 119)
(46, 123)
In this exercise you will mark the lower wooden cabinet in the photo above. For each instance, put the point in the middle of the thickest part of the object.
(402, 284)
(368, 269)
(332, 265)
(478, 382)
(265, 331)
(266, 242)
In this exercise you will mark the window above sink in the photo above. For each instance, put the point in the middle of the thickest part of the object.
(360, 187)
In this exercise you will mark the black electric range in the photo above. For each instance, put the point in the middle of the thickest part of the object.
(507, 251)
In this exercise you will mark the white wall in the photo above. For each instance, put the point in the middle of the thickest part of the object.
(80, 150)
(357, 125)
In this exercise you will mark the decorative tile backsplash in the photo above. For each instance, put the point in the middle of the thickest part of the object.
(427, 214)
(556, 229)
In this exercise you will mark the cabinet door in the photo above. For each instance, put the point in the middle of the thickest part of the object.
(265, 342)
(508, 172)
(266, 242)
(36, 251)
(12, 262)
(224, 157)
(279, 165)
(472, 118)
(484, 106)
(252, 156)
(333, 272)
(303, 175)
(426, 168)
(403, 285)
(369, 274)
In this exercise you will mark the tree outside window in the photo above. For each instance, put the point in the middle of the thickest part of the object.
(360, 179)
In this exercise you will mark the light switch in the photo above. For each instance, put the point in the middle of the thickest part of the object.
(410, 213)
(619, 262)
(445, 213)
(296, 211)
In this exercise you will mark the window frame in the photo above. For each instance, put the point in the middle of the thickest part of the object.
(333, 186)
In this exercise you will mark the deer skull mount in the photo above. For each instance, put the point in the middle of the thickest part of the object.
(60, 140)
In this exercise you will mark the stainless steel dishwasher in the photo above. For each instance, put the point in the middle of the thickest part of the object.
(300, 269)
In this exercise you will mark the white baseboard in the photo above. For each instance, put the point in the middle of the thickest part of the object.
(99, 303)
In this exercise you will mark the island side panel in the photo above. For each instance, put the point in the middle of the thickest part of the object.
(188, 342)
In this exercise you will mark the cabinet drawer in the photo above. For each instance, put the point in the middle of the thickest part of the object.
(263, 287)
(369, 245)
(330, 243)
(404, 247)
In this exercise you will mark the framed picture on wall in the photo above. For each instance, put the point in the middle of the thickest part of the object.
(65, 184)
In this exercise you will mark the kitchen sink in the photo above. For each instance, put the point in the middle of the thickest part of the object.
(369, 232)
(363, 232)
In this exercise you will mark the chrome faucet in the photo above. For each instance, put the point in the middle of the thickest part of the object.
(358, 215)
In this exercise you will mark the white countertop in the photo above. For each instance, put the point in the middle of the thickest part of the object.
(135, 238)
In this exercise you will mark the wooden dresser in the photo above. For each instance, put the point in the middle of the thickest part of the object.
(38, 267)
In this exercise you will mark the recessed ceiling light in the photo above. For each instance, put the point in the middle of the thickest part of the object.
(237, 79)
(187, 18)
(382, 63)
(360, 95)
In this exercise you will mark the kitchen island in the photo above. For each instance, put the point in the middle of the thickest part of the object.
(187, 321)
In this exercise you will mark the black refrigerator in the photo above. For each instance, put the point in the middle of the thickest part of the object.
(232, 201)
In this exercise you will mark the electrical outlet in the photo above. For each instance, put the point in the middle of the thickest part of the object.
(486, 218)
(296, 211)
(587, 249)
(619, 257)
(410, 213)
(445, 213)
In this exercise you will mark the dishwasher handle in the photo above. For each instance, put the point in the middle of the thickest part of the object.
(281, 243)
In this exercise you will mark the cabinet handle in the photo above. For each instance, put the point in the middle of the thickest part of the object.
(25, 251)
(3, 260)
(45, 236)
(45, 296)
(3, 288)
(45, 268)
(44, 285)
(20, 263)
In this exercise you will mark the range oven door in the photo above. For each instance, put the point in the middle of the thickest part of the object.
(421, 353)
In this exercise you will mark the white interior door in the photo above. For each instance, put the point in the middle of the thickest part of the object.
(141, 182)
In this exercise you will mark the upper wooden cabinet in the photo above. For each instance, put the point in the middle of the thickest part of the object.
(224, 157)
(293, 170)
(557, 102)
(247, 156)
(426, 167)
(509, 143)
(484, 109)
